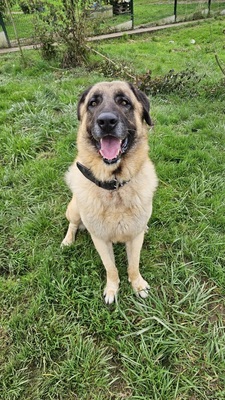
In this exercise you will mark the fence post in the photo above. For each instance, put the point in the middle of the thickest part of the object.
(175, 10)
(132, 12)
(2, 24)
(209, 6)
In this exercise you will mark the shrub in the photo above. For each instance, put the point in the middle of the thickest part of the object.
(3, 7)
(31, 6)
(184, 82)
(64, 22)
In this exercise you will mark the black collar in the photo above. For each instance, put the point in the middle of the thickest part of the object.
(108, 185)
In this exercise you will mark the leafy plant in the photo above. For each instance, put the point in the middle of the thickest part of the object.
(4, 5)
(183, 81)
(64, 22)
(29, 7)
(216, 90)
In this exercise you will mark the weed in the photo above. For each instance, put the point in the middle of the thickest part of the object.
(184, 82)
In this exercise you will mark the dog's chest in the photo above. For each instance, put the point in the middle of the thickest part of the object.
(115, 216)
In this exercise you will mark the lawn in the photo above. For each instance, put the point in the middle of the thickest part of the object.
(58, 340)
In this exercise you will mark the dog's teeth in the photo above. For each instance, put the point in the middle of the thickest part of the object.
(124, 145)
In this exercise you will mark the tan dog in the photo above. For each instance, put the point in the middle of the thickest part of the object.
(112, 178)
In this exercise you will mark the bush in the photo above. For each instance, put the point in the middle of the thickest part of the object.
(3, 8)
(183, 82)
(63, 22)
(31, 6)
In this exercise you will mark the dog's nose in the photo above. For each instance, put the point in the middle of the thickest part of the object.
(107, 121)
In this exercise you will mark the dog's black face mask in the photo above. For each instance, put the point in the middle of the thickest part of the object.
(111, 121)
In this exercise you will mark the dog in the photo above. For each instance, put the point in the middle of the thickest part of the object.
(112, 178)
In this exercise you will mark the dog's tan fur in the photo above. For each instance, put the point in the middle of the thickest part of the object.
(113, 216)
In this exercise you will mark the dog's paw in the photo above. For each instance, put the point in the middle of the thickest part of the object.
(110, 294)
(66, 243)
(141, 287)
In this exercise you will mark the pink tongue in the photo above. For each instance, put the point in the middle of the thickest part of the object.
(110, 147)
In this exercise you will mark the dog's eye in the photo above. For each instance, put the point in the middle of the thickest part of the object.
(93, 103)
(121, 101)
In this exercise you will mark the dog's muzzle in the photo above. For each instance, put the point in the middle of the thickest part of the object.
(110, 136)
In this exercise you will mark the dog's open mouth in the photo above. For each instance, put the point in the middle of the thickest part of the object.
(111, 148)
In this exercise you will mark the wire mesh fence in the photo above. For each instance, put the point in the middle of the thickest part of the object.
(115, 15)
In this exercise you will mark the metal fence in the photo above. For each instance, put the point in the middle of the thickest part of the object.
(120, 15)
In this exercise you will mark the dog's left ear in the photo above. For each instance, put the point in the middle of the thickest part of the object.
(81, 101)
(143, 99)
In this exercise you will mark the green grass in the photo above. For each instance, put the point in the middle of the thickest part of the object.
(173, 50)
(24, 24)
(58, 340)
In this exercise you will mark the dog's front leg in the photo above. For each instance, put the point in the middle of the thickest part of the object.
(105, 251)
(133, 248)
(73, 216)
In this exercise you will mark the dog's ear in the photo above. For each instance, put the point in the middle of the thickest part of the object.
(81, 101)
(143, 99)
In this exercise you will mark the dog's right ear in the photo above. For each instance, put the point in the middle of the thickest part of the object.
(81, 101)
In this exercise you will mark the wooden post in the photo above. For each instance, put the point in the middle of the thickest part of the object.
(2, 24)
(132, 12)
(175, 10)
(209, 6)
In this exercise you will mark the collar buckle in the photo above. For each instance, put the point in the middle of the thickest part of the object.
(108, 185)
(117, 184)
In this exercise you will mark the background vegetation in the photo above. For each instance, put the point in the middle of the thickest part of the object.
(150, 12)
(58, 339)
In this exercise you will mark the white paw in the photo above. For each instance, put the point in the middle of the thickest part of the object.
(141, 287)
(66, 243)
(110, 294)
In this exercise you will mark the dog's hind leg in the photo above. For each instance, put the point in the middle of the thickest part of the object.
(105, 250)
(133, 248)
(73, 216)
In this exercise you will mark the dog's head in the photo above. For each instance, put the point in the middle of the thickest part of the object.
(112, 113)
